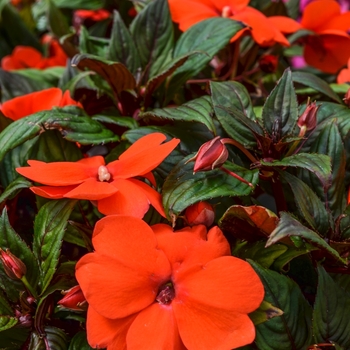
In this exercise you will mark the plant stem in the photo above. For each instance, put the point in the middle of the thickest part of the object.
(29, 287)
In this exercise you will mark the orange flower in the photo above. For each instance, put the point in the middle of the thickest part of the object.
(22, 106)
(266, 31)
(28, 57)
(112, 185)
(152, 288)
(344, 75)
(329, 48)
(94, 15)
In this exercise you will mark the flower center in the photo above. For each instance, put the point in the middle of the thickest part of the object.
(226, 12)
(103, 174)
(166, 294)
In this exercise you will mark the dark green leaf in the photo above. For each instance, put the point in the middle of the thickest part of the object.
(13, 338)
(182, 188)
(9, 239)
(49, 227)
(79, 342)
(209, 36)
(290, 227)
(310, 206)
(73, 127)
(280, 112)
(127, 122)
(331, 312)
(5, 307)
(152, 31)
(14, 187)
(92, 45)
(56, 20)
(329, 143)
(122, 47)
(319, 164)
(199, 110)
(115, 73)
(55, 339)
(232, 103)
(78, 4)
(292, 330)
(316, 83)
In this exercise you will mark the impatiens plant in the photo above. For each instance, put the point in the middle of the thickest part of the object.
(169, 177)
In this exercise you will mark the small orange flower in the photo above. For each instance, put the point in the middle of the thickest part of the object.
(112, 185)
(94, 15)
(266, 31)
(28, 57)
(328, 49)
(152, 288)
(201, 213)
(22, 106)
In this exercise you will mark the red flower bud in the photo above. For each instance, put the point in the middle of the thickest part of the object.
(210, 155)
(14, 267)
(308, 120)
(346, 98)
(268, 63)
(73, 299)
(200, 213)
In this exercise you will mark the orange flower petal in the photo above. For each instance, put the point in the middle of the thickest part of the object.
(285, 24)
(22, 57)
(125, 251)
(205, 328)
(328, 52)
(67, 100)
(103, 332)
(344, 75)
(60, 173)
(129, 200)
(340, 22)
(234, 285)
(51, 191)
(155, 328)
(92, 189)
(142, 162)
(317, 13)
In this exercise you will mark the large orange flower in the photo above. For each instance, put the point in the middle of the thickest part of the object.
(114, 185)
(22, 106)
(152, 288)
(29, 57)
(266, 31)
(328, 49)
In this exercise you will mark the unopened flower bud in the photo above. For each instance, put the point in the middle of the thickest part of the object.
(73, 299)
(210, 155)
(346, 98)
(14, 267)
(268, 63)
(201, 213)
(308, 120)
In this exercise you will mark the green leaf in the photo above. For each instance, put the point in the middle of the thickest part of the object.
(156, 81)
(209, 36)
(310, 206)
(265, 312)
(199, 110)
(290, 227)
(319, 164)
(92, 45)
(153, 34)
(9, 239)
(331, 311)
(79, 342)
(49, 227)
(127, 122)
(7, 322)
(181, 188)
(292, 330)
(56, 20)
(330, 143)
(116, 74)
(14, 187)
(53, 338)
(5, 307)
(78, 4)
(235, 97)
(315, 83)
(280, 112)
(13, 338)
(122, 47)
(73, 127)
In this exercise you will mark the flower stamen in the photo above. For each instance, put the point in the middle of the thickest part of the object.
(226, 12)
(166, 294)
(103, 173)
